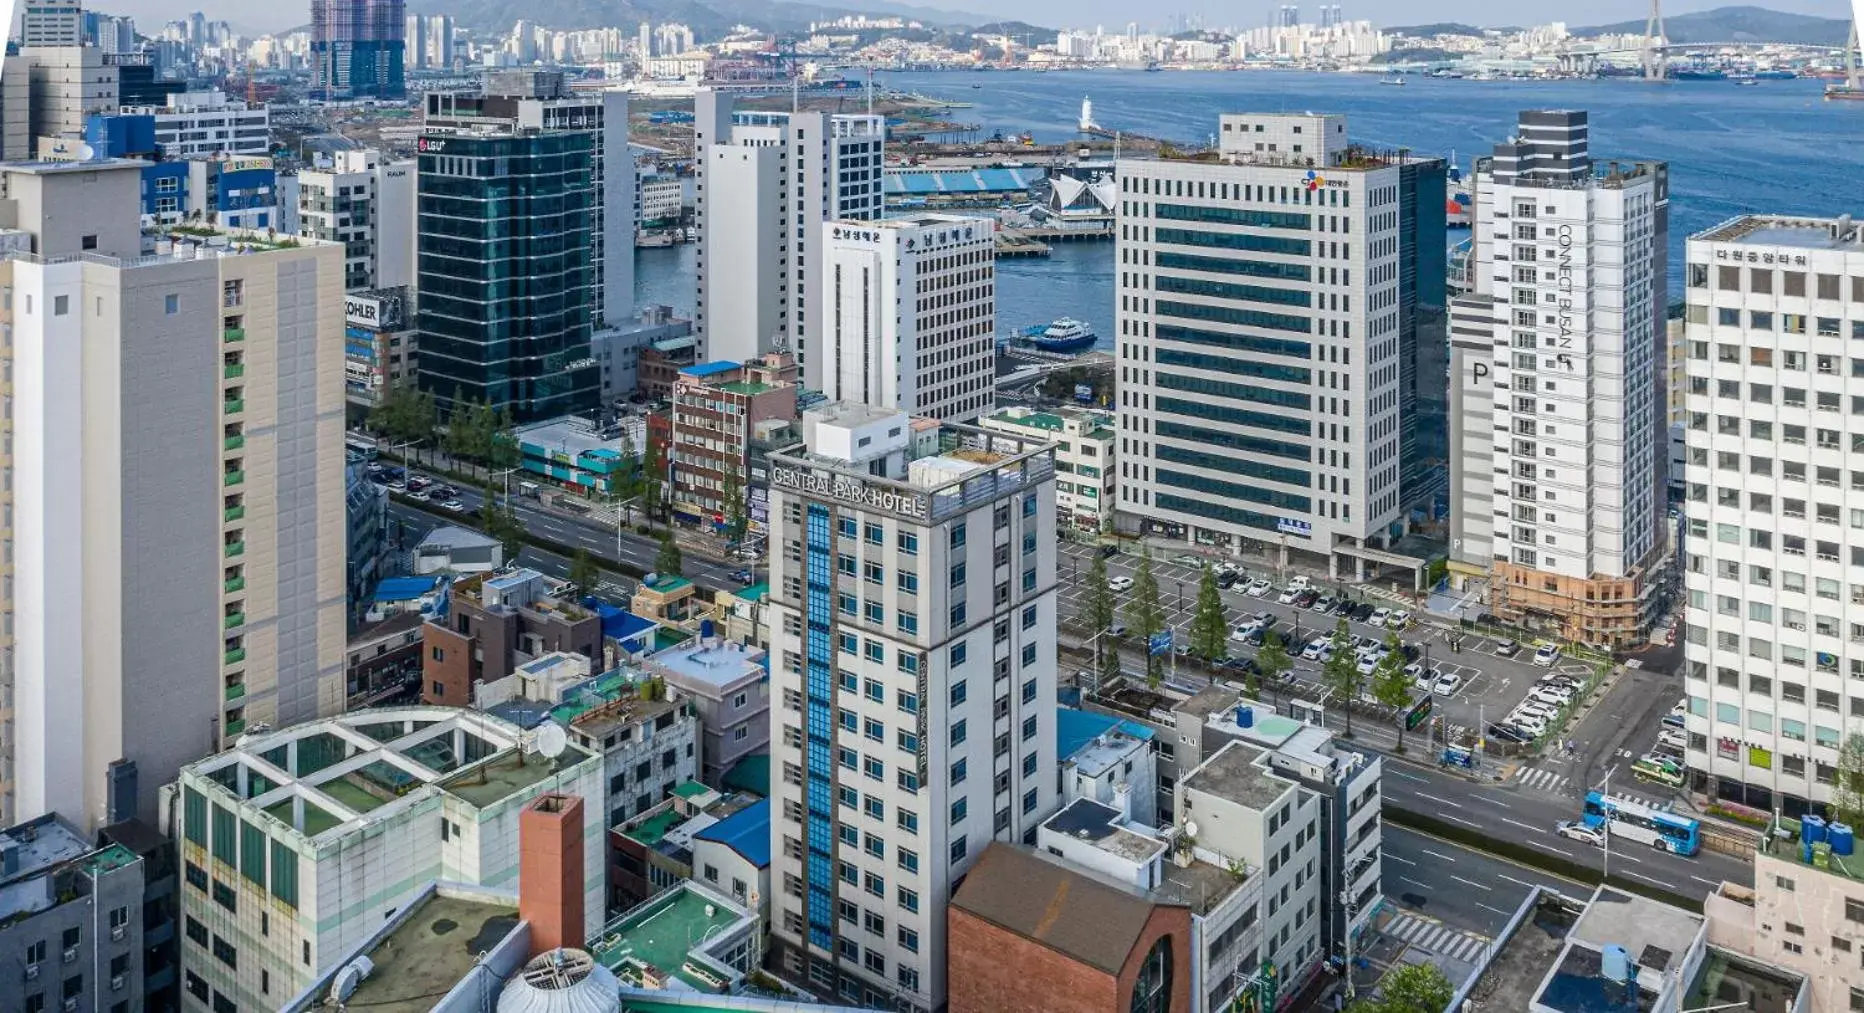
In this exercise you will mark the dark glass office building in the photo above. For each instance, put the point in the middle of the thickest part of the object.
(357, 49)
(505, 239)
(1423, 336)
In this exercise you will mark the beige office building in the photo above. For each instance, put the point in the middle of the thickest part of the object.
(174, 515)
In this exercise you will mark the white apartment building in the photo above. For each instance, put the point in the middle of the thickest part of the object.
(912, 619)
(365, 202)
(162, 593)
(1084, 455)
(767, 180)
(1560, 373)
(1774, 540)
(297, 845)
(1264, 328)
(209, 123)
(908, 314)
(52, 23)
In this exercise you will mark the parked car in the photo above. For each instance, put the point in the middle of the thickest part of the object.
(1507, 648)
(1537, 709)
(1241, 631)
(1117, 631)
(1259, 636)
(1109, 551)
(1257, 588)
(1398, 620)
(1530, 726)
(1546, 654)
(1413, 670)
(1551, 697)
(1447, 684)
(1378, 617)
(1287, 596)
(1508, 733)
(1322, 605)
(1579, 832)
(1121, 583)
(1672, 737)
(1367, 664)
(1226, 580)
(1361, 613)
(1344, 607)
(1410, 651)
(1316, 649)
(1266, 620)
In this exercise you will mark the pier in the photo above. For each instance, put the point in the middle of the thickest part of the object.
(1015, 243)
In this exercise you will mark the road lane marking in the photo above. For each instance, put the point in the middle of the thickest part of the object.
(1401, 861)
(1413, 882)
(1710, 882)
(1649, 880)
(1499, 911)
(1443, 801)
(1408, 777)
(1437, 854)
(1633, 859)
(1511, 879)
(1518, 823)
(1466, 882)
(1494, 801)
(1548, 847)
(1464, 822)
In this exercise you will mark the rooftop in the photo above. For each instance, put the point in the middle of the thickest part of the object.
(1798, 233)
(746, 832)
(1095, 742)
(449, 536)
(1513, 977)
(746, 388)
(38, 848)
(612, 700)
(1085, 918)
(340, 774)
(714, 665)
(571, 438)
(429, 949)
(713, 368)
(665, 933)
(1235, 773)
(1656, 933)
(1099, 824)
(1792, 849)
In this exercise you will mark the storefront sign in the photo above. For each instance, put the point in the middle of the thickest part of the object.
(852, 490)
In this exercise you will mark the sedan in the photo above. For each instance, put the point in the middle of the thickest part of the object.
(1533, 708)
(1550, 697)
(1322, 605)
(1119, 583)
(1672, 737)
(743, 576)
(1361, 613)
(1508, 733)
(1242, 631)
(1398, 620)
(1378, 617)
(1306, 598)
(1579, 832)
(1368, 665)
(1447, 684)
(454, 505)
(1530, 726)
(1507, 648)
(1257, 588)
(1226, 580)
(1546, 654)
(1287, 597)
(420, 495)
(1315, 649)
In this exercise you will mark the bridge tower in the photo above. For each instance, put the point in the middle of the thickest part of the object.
(1854, 52)
(1655, 66)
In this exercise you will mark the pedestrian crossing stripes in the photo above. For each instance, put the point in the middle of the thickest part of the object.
(1437, 938)
(1540, 780)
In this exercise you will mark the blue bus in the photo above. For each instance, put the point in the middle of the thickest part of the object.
(1635, 821)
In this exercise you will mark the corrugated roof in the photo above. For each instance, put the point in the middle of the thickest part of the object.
(404, 588)
(746, 831)
(1076, 728)
(711, 368)
(1085, 919)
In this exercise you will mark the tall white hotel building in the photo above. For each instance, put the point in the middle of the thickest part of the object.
(1774, 478)
(767, 182)
(1269, 340)
(912, 629)
(1558, 358)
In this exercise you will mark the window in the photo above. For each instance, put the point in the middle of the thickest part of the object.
(908, 899)
(1152, 987)
(908, 543)
(960, 807)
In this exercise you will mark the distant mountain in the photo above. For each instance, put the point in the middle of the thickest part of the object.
(1738, 24)
(708, 18)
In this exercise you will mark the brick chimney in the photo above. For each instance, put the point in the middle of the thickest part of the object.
(550, 871)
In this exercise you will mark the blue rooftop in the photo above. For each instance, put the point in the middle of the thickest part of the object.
(405, 588)
(619, 624)
(712, 368)
(1076, 728)
(746, 831)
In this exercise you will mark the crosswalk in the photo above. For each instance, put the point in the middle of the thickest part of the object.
(1437, 938)
(1540, 779)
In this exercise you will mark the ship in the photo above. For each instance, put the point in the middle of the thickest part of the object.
(1843, 93)
(1397, 81)
(1153, 66)
(1774, 75)
(1065, 336)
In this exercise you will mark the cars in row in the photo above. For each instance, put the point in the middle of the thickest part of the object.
(1544, 702)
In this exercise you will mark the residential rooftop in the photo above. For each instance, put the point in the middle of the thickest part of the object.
(1099, 824)
(1842, 234)
(430, 948)
(667, 937)
(709, 664)
(1513, 975)
(611, 700)
(570, 439)
(1098, 425)
(34, 851)
(1237, 773)
(339, 775)
(1792, 849)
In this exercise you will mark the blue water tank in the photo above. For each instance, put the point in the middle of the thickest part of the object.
(1812, 829)
(1842, 840)
(1245, 717)
(1615, 963)
(1805, 850)
(705, 628)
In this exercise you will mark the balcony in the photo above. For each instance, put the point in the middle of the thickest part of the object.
(233, 442)
(236, 655)
(236, 691)
(233, 334)
(232, 371)
(235, 478)
(236, 548)
(235, 584)
(235, 620)
(233, 407)
(236, 726)
(235, 513)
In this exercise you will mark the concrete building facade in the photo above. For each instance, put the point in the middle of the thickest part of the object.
(1085, 442)
(71, 913)
(365, 202)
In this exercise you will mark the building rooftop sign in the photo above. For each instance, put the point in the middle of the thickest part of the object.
(852, 490)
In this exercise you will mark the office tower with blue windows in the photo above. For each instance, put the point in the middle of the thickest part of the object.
(912, 626)
(358, 49)
(1280, 390)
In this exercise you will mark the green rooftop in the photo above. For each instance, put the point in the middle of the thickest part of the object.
(608, 687)
(667, 584)
(110, 859)
(316, 818)
(664, 935)
(754, 592)
(487, 783)
(690, 790)
(1791, 850)
(1034, 420)
(650, 831)
(747, 389)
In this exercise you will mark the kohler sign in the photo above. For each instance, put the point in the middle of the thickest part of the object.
(852, 490)
(380, 312)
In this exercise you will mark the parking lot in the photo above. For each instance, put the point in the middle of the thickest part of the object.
(1490, 682)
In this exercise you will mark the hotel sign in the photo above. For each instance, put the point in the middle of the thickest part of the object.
(853, 491)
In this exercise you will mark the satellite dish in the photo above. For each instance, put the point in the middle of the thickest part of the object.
(1190, 827)
(551, 739)
(86, 153)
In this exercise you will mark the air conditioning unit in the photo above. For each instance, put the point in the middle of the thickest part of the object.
(117, 932)
(71, 1005)
(32, 972)
(116, 983)
(71, 955)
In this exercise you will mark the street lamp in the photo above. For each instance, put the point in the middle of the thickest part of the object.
(1181, 596)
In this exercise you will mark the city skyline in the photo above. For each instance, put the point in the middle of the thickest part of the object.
(1050, 13)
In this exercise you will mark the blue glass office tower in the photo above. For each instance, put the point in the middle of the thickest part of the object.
(357, 47)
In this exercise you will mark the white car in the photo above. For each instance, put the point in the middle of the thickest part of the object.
(1315, 649)
(454, 505)
(1546, 654)
(1550, 696)
(1529, 725)
(1414, 671)
(1288, 596)
(1398, 620)
(1447, 684)
(1242, 631)
(1673, 738)
(1119, 583)
(1537, 709)
(1368, 665)
(1256, 588)
(1378, 617)
(1579, 832)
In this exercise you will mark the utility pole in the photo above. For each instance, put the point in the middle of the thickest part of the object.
(1605, 829)
(1654, 66)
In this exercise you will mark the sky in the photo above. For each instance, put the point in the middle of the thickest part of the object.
(272, 15)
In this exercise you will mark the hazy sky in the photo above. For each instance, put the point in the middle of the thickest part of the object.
(268, 15)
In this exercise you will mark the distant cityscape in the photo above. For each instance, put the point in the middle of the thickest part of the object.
(1415, 594)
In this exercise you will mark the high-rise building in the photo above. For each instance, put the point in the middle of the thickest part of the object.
(209, 123)
(767, 180)
(908, 314)
(52, 23)
(357, 49)
(68, 85)
(884, 792)
(365, 202)
(165, 593)
(645, 41)
(429, 42)
(1774, 538)
(1268, 305)
(1560, 374)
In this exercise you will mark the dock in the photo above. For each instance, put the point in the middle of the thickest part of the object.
(1011, 243)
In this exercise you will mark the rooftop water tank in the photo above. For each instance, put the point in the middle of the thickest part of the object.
(1842, 840)
(1245, 717)
(561, 981)
(1812, 828)
(705, 629)
(1614, 963)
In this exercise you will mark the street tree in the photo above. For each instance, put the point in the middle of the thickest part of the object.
(1341, 675)
(667, 562)
(500, 521)
(404, 415)
(653, 479)
(1848, 787)
(1097, 609)
(502, 451)
(736, 521)
(1273, 660)
(1210, 624)
(1390, 686)
(1147, 616)
(583, 572)
(1410, 988)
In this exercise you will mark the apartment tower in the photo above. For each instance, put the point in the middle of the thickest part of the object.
(358, 49)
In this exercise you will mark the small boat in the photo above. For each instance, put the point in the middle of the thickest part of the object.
(1066, 335)
(1395, 81)
(1749, 83)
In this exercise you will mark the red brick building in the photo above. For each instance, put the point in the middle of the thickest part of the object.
(1029, 935)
